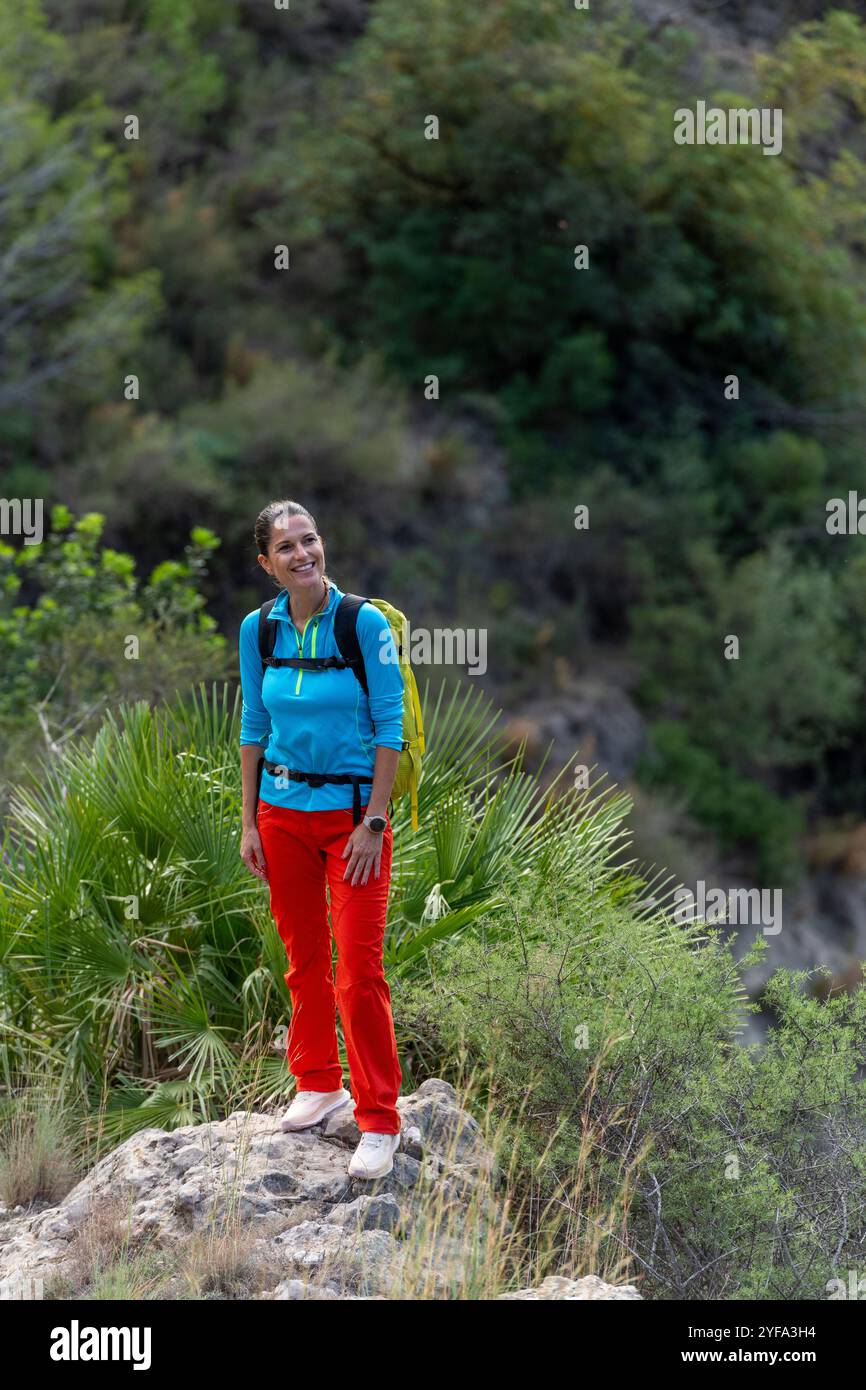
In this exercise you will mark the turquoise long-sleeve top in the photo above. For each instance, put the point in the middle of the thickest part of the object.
(320, 721)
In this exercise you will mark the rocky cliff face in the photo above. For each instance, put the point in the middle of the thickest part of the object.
(309, 1230)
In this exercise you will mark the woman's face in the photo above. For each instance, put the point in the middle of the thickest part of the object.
(296, 555)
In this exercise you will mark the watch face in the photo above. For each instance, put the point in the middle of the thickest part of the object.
(377, 823)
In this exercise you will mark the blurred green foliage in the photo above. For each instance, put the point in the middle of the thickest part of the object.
(454, 257)
(79, 633)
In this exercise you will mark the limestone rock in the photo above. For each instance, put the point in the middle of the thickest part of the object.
(291, 1191)
(590, 1287)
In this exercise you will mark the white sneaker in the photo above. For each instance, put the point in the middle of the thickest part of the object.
(309, 1107)
(374, 1156)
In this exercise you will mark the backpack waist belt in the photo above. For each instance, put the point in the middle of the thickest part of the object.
(318, 779)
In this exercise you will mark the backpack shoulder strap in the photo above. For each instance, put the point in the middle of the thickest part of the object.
(267, 633)
(346, 635)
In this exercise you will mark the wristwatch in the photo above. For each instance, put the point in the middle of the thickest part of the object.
(375, 823)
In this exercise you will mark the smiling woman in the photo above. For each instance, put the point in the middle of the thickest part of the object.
(324, 732)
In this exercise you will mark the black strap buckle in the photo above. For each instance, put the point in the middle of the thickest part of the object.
(318, 779)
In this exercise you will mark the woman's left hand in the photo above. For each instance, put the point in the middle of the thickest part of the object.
(366, 854)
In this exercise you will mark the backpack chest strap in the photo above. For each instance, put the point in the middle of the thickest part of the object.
(307, 663)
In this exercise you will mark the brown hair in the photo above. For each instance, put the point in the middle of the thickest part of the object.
(264, 527)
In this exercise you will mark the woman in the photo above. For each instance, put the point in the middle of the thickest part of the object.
(301, 835)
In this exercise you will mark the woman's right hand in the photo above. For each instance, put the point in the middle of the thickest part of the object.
(252, 853)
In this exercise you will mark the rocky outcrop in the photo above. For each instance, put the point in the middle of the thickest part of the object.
(321, 1233)
(590, 1287)
(588, 714)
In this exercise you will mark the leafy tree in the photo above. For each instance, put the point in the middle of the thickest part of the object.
(704, 261)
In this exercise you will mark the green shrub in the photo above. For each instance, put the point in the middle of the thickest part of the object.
(92, 635)
(609, 1039)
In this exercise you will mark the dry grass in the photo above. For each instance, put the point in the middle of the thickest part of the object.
(497, 1238)
(36, 1151)
(220, 1261)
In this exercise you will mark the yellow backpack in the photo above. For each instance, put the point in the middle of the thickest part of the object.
(409, 766)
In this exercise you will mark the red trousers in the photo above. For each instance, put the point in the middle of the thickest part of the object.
(303, 852)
